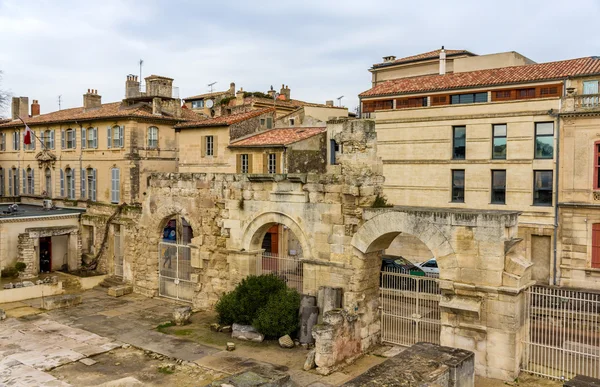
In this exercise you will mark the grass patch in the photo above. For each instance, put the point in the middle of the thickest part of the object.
(162, 327)
(166, 370)
(183, 332)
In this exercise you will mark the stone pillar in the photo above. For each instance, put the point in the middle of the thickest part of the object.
(74, 251)
(27, 254)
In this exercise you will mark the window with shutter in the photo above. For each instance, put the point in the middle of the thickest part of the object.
(62, 183)
(52, 139)
(109, 137)
(91, 183)
(83, 138)
(596, 246)
(10, 182)
(439, 100)
(83, 183)
(115, 185)
(24, 186)
(122, 136)
(63, 139)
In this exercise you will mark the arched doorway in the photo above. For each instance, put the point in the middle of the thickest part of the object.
(174, 260)
(409, 293)
(282, 255)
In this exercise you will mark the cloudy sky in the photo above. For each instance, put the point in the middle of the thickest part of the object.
(322, 49)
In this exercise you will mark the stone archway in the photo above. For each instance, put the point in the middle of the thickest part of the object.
(257, 228)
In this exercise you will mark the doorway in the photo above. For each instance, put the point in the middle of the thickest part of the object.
(45, 255)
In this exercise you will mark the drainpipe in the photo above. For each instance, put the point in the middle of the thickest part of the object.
(556, 188)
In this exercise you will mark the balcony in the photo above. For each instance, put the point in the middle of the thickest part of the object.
(581, 103)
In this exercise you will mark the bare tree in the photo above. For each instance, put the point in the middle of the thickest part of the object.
(4, 97)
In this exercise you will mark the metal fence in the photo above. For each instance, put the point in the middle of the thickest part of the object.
(290, 269)
(174, 271)
(410, 308)
(563, 329)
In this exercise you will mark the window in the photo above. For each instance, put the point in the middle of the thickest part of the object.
(115, 185)
(210, 146)
(458, 185)
(334, 147)
(269, 122)
(198, 104)
(542, 188)
(499, 187)
(115, 137)
(526, 93)
(597, 165)
(3, 141)
(468, 98)
(544, 140)
(30, 181)
(70, 183)
(549, 91)
(272, 163)
(502, 94)
(596, 246)
(499, 141)
(153, 137)
(92, 138)
(48, 182)
(244, 164)
(13, 182)
(292, 121)
(459, 144)
(48, 139)
(404, 103)
(590, 87)
(91, 183)
(262, 122)
(69, 139)
(17, 140)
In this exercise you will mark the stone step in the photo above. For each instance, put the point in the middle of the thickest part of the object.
(120, 290)
(63, 301)
(109, 282)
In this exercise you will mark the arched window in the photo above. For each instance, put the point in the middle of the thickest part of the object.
(153, 137)
(48, 182)
(30, 181)
(70, 180)
(115, 136)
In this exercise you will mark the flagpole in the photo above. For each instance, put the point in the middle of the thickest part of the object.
(33, 133)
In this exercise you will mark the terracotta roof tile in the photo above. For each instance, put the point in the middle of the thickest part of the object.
(278, 137)
(426, 55)
(489, 77)
(107, 110)
(224, 120)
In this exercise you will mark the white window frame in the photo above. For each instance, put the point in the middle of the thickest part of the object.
(272, 163)
(17, 140)
(198, 104)
(91, 183)
(30, 181)
(70, 183)
(210, 146)
(153, 137)
(70, 142)
(244, 163)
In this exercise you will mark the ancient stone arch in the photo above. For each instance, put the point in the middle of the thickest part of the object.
(256, 229)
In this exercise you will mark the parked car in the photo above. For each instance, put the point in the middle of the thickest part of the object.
(430, 266)
(398, 264)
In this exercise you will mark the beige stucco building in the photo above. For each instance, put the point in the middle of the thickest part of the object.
(474, 132)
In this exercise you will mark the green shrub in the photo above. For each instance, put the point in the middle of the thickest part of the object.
(243, 304)
(20, 266)
(9, 272)
(226, 308)
(279, 316)
(380, 202)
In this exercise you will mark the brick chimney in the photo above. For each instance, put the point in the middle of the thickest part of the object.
(285, 91)
(91, 99)
(329, 103)
(35, 108)
(20, 107)
(132, 86)
(442, 61)
(232, 89)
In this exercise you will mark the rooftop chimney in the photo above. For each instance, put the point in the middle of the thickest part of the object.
(132, 86)
(285, 91)
(232, 88)
(329, 103)
(239, 97)
(271, 92)
(20, 107)
(91, 99)
(35, 108)
(389, 58)
(442, 61)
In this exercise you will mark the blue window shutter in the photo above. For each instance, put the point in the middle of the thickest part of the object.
(52, 139)
(122, 136)
(73, 180)
(10, 182)
(62, 139)
(83, 183)
(95, 138)
(24, 185)
(33, 139)
(74, 138)
(62, 183)
(108, 131)
(17, 179)
(83, 137)
(33, 181)
(93, 193)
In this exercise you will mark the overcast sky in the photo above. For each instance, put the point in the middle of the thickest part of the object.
(321, 49)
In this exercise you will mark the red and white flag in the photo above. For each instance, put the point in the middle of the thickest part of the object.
(27, 136)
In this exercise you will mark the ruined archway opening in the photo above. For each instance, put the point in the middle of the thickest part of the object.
(416, 254)
(281, 254)
(174, 263)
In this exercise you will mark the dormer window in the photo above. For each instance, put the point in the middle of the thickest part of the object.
(198, 104)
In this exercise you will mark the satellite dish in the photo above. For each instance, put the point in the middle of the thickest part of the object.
(209, 103)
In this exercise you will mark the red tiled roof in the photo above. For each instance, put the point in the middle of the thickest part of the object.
(426, 55)
(278, 137)
(293, 103)
(107, 110)
(224, 120)
(490, 77)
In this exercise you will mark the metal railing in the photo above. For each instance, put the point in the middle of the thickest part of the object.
(174, 271)
(290, 269)
(410, 308)
(563, 333)
(587, 101)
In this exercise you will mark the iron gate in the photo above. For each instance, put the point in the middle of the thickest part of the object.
(410, 309)
(174, 271)
(290, 269)
(563, 333)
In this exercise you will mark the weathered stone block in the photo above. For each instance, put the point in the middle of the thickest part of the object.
(120, 290)
(181, 315)
(64, 301)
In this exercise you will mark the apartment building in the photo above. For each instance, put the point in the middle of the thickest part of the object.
(477, 132)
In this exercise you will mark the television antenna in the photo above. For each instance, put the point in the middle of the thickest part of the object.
(340, 100)
(211, 86)
(59, 100)
(141, 63)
